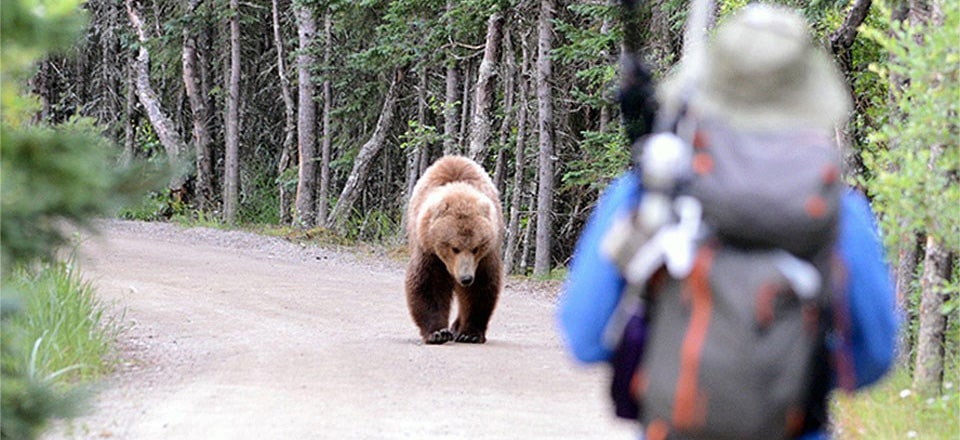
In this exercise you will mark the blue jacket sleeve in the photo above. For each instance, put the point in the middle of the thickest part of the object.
(870, 294)
(594, 284)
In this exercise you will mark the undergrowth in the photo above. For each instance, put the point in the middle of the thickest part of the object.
(68, 335)
(892, 410)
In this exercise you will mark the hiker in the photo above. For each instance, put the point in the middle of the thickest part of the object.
(761, 73)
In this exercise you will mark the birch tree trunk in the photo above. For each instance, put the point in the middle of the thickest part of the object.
(130, 110)
(289, 118)
(904, 275)
(323, 198)
(305, 215)
(450, 140)
(928, 370)
(480, 128)
(162, 125)
(361, 164)
(465, 107)
(508, 111)
(937, 266)
(542, 256)
(231, 123)
(513, 224)
(199, 115)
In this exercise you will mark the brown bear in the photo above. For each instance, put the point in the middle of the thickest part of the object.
(455, 230)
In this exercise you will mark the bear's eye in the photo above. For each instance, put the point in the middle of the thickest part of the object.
(455, 250)
(476, 250)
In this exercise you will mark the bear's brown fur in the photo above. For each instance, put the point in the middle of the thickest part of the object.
(455, 231)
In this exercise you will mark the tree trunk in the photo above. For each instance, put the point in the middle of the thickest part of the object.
(605, 56)
(306, 120)
(162, 124)
(450, 138)
(937, 265)
(109, 15)
(289, 118)
(542, 258)
(465, 107)
(128, 135)
(528, 234)
(928, 370)
(480, 130)
(415, 153)
(513, 224)
(508, 110)
(361, 164)
(323, 199)
(841, 40)
(905, 272)
(199, 117)
(231, 123)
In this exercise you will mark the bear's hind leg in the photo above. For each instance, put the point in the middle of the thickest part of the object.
(429, 294)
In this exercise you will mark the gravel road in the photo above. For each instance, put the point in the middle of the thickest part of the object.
(238, 336)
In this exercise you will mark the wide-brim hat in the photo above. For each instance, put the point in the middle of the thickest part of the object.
(761, 71)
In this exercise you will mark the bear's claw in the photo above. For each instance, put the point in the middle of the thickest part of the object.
(470, 338)
(439, 337)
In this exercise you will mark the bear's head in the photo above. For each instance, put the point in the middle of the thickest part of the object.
(460, 227)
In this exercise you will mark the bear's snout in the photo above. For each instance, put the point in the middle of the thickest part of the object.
(465, 268)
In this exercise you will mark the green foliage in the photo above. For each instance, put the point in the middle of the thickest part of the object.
(603, 156)
(419, 136)
(916, 160)
(28, 30)
(589, 49)
(37, 162)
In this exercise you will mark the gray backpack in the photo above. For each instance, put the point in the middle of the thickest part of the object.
(734, 348)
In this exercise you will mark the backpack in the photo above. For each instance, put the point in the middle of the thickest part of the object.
(732, 345)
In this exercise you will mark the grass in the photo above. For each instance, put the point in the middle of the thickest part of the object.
(891, 410)
(64, 328)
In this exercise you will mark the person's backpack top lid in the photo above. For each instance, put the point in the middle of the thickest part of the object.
(762, 72)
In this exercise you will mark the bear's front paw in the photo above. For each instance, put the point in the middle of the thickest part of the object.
(471, 338)
(439, 337)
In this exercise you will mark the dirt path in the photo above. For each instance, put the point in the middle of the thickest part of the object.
(237, 336)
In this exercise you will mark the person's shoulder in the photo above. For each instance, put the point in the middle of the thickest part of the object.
(854, 199)
(625, 187)
(855, 211)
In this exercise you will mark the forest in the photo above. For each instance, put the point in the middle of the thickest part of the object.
(321, 115)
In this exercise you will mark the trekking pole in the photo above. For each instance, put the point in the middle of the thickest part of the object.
(691, 63)
(666, 223)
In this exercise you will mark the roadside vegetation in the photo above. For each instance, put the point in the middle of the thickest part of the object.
(893, 410)
(56, 336)
(71, 332)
